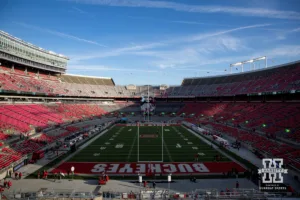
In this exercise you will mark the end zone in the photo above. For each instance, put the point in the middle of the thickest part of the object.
(178, 168)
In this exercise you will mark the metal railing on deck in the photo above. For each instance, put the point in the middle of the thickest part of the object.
(201, 194)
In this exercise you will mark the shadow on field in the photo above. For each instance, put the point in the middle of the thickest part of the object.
(91, 182)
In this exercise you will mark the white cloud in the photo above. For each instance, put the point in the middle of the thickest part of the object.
(296, 30)
(197, 23)
(114, 52)
(79, 10)
(83, 68)
(208, 35)
(181, 60)
(180, 40)
(283, 51)
(281, 37)
(255, 12)
(195, 53)
(60, 34)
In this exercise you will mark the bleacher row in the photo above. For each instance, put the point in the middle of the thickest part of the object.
(271, 147)
(274, 119)
(20, 119)
(285, 78)
(270, 80)
(242, 121)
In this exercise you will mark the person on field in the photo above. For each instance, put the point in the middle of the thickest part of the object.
(196, 157)
(9, 184)
(16, 175)
(154, 185)
(237, 185)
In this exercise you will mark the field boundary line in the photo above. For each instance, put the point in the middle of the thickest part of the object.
(80, 148)
(216, 147)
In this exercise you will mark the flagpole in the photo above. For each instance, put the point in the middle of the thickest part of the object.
(148, 104)
(162, 142)
(138, 143)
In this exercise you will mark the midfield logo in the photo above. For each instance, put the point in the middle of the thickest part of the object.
(272, 171)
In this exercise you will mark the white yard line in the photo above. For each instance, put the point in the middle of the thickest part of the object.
(170, 157)
(131, 148)
(207, 141)
(166, 147)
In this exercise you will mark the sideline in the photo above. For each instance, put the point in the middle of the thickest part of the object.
(80, 148)
(215, 147)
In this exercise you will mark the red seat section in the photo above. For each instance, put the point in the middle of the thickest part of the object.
(18, 119)
(258, 124)
(275, 79)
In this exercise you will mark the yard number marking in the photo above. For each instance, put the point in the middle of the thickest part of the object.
(119, 146)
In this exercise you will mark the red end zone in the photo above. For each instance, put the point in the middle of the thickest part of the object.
(146, 168)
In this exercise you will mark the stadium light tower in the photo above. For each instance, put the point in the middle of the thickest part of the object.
(262, 58)
(248, 61)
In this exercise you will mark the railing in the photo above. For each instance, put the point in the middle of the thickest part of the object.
(43, 194)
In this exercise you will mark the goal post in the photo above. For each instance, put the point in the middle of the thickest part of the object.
(138, 145)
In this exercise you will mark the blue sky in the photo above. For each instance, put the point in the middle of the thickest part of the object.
(157, 42)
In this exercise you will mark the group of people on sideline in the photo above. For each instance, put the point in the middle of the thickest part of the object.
(7, 183)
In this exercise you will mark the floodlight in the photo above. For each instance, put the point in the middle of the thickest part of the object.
(261, 58)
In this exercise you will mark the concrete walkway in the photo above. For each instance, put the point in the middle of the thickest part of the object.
(27, 185)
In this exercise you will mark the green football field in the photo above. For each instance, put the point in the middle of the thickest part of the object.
(120, 144)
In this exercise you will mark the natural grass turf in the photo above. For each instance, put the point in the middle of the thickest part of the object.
(150, 149)
(179, 146)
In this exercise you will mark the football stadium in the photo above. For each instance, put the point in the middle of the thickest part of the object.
(67, 134)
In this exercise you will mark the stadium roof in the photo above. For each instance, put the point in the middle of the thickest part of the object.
(88, 76)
